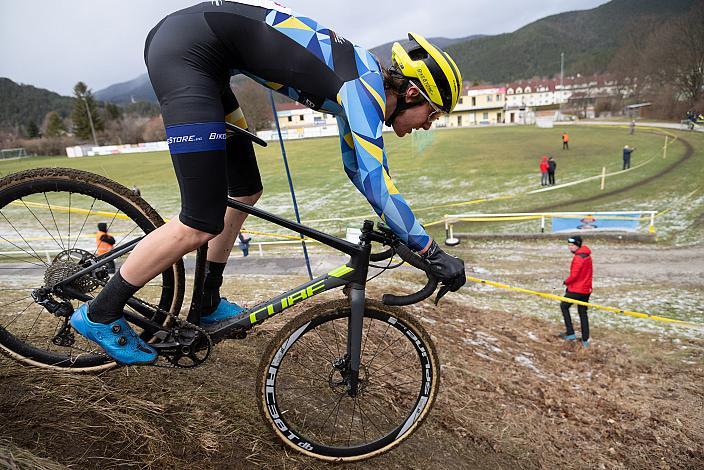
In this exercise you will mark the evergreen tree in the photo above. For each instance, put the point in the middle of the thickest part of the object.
(85, 109)
(112, 111)
(32, 130)
(54, 125)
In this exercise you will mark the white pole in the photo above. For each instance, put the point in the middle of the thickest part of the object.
(603, 177)
(261, 253)
(90, 119)
(664, 150)
(542, 224)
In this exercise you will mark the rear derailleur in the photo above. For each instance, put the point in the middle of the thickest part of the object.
(62, 309)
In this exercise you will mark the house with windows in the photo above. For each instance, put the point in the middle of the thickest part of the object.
(478, 105)
(295, 115)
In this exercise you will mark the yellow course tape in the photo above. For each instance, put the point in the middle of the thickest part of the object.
(74, 210)
(579, 302)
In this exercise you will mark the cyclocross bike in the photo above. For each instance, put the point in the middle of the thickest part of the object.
(345, 380)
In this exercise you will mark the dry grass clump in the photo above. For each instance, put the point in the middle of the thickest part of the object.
(15, 458)
(101, 422)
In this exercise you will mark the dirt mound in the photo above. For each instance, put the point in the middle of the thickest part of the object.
(512, 396)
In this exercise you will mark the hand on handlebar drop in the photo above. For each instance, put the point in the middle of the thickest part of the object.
(447, 268)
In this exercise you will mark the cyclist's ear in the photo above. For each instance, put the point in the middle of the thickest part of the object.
(413, 94)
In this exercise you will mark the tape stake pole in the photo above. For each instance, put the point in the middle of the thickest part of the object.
(603, 177)
(664, 150)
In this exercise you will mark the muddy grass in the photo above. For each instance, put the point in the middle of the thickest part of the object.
(512, 396)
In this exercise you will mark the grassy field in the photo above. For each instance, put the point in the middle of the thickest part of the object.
(457, 166)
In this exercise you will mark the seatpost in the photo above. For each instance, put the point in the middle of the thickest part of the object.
(357, 299)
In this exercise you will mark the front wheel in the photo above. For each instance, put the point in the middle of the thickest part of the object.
(302, 385)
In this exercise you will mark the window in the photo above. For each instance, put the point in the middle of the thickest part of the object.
(498, 98)
(301, 117)
(474, 101)
(485, 116)
(290, 119)
(489, 98)
(459, 120)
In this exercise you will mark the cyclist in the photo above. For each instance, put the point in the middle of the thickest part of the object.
(191, 55)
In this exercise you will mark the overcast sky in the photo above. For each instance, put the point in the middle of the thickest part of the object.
(55, 43)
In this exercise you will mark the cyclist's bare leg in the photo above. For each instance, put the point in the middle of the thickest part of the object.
(160, 249)
(219, 248)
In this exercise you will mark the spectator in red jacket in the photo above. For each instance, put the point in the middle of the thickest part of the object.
(544, 166)
(579, 287)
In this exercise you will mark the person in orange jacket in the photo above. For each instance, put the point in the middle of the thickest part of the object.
(104, 243)
(579, 287)
(565, 141)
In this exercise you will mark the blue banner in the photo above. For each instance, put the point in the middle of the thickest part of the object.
(590, 222)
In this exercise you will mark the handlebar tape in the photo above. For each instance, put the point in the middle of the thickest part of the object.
(416, 261)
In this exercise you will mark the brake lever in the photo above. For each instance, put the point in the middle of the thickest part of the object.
(444, 289)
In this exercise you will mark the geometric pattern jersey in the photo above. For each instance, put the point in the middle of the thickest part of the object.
(359, 109)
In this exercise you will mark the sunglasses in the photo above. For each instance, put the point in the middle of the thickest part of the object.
(436, 109)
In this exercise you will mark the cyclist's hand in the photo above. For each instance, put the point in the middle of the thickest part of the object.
(447, 268)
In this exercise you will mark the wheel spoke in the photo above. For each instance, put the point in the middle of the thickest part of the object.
(80, 231)
(58, 232)
(18, 315)
(35, 255)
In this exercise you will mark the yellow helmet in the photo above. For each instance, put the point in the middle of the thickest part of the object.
(429, 68)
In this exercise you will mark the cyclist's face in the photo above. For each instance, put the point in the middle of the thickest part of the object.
(420, 116)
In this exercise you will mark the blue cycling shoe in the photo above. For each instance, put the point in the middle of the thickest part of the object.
(567, 337)
(225, 311)
(585, 343)
(118, 339)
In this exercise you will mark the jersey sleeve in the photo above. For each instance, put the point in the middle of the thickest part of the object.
(364, 157)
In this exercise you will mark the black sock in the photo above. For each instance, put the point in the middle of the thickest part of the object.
(107, 306)
(211, 287)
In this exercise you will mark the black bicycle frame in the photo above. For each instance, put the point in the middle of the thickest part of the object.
(352, 274)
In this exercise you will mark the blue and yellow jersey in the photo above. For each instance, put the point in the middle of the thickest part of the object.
(296, 56)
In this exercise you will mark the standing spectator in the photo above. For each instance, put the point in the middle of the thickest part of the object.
(627, 151)
(632, 127)
(244, 243)
(104, 243)
(579, 287)
(565, 141)
(544, 171)
(552, 166)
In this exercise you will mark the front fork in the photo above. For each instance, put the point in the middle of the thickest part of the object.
(354, 337)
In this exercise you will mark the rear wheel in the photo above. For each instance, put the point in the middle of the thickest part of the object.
(48, 221)
(302, 382)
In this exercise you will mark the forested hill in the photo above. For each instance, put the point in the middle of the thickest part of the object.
(22, 104)
(589, 39)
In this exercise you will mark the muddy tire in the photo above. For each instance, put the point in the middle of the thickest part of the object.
(302, 395)
(48, 217)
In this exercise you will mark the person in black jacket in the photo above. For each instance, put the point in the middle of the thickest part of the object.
(552, 165)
